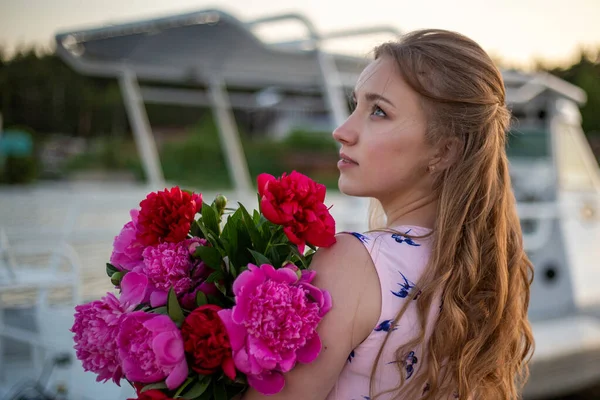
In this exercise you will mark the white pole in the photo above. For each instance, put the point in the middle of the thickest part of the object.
(229, 136)
(142, 132)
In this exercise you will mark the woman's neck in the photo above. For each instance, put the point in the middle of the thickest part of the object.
(420, 211)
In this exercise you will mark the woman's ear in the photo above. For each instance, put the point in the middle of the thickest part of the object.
(447, 154)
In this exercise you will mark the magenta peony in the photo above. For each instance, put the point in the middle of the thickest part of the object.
(151, 349)
(170, 265)
(96, 328)
(127, 248)
(134, 289)
(273, 324)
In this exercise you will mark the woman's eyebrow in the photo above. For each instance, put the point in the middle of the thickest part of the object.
(374, 98)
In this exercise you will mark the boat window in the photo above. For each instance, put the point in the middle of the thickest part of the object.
(528, 144)
(577, 168)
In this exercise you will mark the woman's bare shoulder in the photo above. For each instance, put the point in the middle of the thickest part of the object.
(347, 271)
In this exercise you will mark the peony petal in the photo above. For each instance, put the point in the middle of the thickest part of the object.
(240, 310)
(294, 239)
(158, 298)
(168, 348)
(268, 270)
(321, 233)
(262, 182)
(308, 276)
(286, 275)
(327, 303)
(158, 323)
(310, 351)
(248, 280)
(131, 370)
(133, 213)
(242, 361)
(261, 353)
(270, 213)
(314, 292)
(237, 333)
(177, 375)
(288, 361)
(134, 288)
(228, 367)
(268, 383)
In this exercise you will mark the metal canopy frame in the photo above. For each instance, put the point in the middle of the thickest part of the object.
(215, 50)
(125, 52)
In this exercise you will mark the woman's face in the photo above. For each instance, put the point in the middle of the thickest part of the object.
(384, 152)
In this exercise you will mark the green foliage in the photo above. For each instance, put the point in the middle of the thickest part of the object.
(18, 169)
(586, 74)
(173, 308)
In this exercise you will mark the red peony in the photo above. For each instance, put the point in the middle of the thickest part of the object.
(152, 394)
(297, 202)
(206, 342)
(167, 216)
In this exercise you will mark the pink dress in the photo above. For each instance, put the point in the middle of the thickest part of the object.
(399, 262)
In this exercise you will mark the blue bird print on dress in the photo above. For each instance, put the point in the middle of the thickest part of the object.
(403, 239)
(411, 360)
(385, 326)
(360, 237)
(405, 288)
(351, 356)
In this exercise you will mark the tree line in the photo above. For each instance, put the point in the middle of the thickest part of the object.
(40, 92)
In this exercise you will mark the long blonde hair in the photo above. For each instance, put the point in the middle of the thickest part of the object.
(482, 340)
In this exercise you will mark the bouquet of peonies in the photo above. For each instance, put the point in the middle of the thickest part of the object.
(208, 307)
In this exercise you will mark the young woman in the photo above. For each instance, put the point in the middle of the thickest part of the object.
(432, 303)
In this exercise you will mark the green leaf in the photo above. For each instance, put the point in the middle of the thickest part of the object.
(111, 270)
(160, 310)
(215, 276)
(207, 395)
(201, 298)
(221, 288)
(183, 386)
(219, 392)
(257, 238)
(198, 389)
(173, 307)
(210, 219)
(230, 234)
(256, 217)
(259, 258)
(212, 299)
(195, 230)
(301, 257)
(158, 386)
(210, 255)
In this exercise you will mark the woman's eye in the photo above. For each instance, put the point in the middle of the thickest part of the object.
(378, 112)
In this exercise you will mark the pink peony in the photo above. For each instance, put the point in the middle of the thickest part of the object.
(127, 248)
(170, 265)
(96, 328)
(134, 289)
(151, 349)
(273, 324)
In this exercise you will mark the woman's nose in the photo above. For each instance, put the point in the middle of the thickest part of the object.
(345, 133)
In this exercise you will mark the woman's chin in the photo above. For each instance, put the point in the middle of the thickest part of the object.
(349, 188)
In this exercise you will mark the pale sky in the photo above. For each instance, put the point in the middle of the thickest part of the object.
(517, 31)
